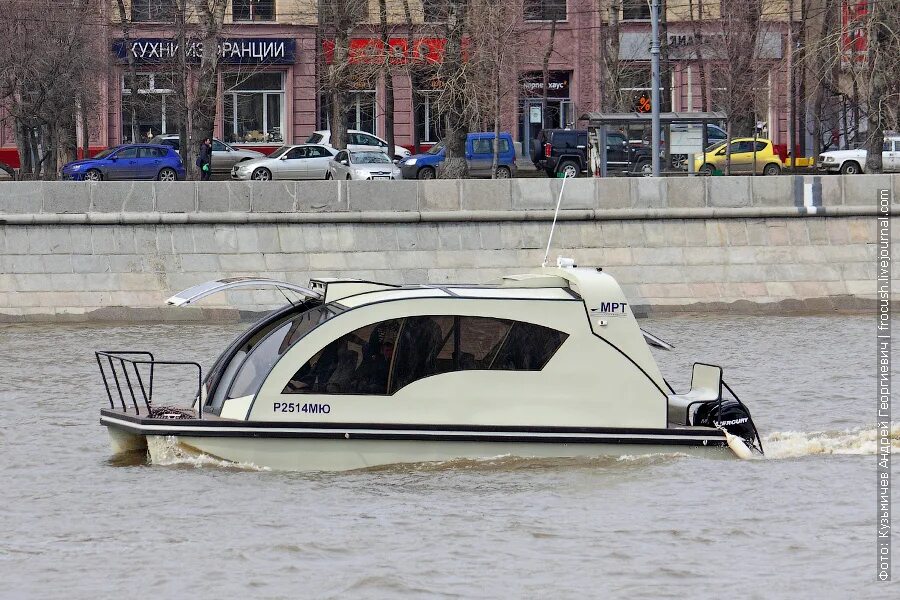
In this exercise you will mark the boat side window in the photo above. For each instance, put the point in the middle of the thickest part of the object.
(425, 347)
(356, 363)
(527, 347)
(266, 353)
(384, 357)
(480, 339)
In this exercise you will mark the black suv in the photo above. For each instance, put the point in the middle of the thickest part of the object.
(565, 151)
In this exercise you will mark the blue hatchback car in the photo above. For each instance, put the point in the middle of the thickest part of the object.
(479, 155)
(132, 161)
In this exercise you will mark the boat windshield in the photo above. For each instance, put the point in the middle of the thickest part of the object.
(266, 353)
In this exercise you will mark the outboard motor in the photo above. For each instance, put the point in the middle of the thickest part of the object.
(732, 415)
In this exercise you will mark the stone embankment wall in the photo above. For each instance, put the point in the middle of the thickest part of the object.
(82, 251)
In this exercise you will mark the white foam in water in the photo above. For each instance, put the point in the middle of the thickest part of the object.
(791, 444)
(166, 451)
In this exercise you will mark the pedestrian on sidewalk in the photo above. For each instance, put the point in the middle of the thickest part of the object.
(204, 159)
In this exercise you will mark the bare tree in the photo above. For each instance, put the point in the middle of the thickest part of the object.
(201, 107)
(387, 75)
(41, 61)
(338, 19)
(453, 101)
(883, 77)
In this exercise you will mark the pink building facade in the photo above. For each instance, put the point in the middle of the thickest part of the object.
(267, 92)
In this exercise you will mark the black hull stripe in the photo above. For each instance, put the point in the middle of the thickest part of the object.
(660, 437)
(176, 424)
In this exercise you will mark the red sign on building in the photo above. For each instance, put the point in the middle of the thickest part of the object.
(372, 51)
(854, 40)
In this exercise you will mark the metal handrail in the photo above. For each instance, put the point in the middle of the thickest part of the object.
(146, 393)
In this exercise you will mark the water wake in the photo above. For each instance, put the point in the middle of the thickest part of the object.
(859, 440)
(166, 451)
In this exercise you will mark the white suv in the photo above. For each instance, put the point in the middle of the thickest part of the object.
(359, 141)
(852, 162)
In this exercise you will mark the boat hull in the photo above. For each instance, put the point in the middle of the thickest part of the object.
(342, 447)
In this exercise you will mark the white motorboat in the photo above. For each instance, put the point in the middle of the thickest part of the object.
(358, 374)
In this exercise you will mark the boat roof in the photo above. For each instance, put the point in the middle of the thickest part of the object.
(454, 291)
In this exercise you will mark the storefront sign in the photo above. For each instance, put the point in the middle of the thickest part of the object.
(557, 84)
(685, 44)
(400, 50)
(233, 51)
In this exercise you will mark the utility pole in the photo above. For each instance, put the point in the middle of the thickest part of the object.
(654, 83)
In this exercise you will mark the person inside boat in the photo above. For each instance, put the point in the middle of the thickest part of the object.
(371, 377)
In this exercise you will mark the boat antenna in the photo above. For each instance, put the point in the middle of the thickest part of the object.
(555, 215)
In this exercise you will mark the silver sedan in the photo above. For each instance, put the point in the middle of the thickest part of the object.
(303, 161)
(362, 166)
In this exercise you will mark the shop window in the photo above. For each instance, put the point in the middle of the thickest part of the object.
(635, 10)
(253, 10)
(155, 109)
(385, 357)
(162, 11)
(545, 10)
(254, 108)
(434, 11)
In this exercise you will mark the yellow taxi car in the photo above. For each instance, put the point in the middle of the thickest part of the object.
(742, 158)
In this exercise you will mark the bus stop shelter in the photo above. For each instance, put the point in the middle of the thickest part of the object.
(690, 127)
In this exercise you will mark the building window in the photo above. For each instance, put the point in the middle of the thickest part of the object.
(348, 11)
(382, 358)
(360, 110)
(429, 124)
(434, 11)
(155, 109)
(635, 88)
(635, 10)
(545, 10)
(253, 10)
(153, 10)
(254, 108)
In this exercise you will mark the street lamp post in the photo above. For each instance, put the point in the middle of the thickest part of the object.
(654, 83)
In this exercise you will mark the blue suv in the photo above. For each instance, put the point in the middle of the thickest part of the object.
(479, 155)
(132, 161)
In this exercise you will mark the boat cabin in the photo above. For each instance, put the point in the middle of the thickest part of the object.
(557, 346)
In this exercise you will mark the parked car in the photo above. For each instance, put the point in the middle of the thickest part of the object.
(224, 157)
(362, 166)
(358, 141)
(742, 157)
(7, 172)
(566, 151)
(479, 156)
(303, 161)
(130, 161)
(853, 162)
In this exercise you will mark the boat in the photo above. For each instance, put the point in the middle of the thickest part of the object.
(352, 374)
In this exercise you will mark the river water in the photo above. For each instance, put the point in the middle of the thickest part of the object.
(75, 523)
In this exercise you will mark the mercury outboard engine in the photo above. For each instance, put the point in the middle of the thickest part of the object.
(730, 414)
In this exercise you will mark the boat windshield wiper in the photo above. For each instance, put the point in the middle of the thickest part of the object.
(655, 341)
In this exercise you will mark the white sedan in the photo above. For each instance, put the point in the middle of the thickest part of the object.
(304, 161)
(359, 141)
(853, 162)
(362, 166)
